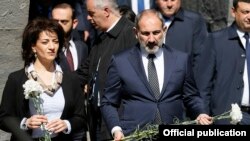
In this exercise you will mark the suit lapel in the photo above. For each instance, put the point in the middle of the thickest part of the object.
(169, 65)
(79, 53)
(24, 105)
(66, 92)
(63, 62)
(136, 61)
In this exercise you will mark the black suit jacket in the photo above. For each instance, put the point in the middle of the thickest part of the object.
(82, 53)
(119, 38)
(220, 72)
(186, 33)
(127, 83)
(15, 106)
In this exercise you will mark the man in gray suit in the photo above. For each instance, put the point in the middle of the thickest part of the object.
(223, 69)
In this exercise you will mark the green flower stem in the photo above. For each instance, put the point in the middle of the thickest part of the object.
(141, 135)
(46, 135)
(187, 122)
(225, 115)
(36, 101)
(152, 130)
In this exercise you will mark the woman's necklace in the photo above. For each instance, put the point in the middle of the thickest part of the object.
(48, 89)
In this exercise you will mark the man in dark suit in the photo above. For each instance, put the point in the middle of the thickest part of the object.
(65, 15)
(83, 27)
(138, 5)
(116, 35)
(75, 51)
(186, 30)
(223, 69)
(145, 98)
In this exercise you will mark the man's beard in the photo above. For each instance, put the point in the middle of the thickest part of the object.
(151, 50)
(68, 34)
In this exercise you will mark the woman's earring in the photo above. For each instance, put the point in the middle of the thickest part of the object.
(35, 54)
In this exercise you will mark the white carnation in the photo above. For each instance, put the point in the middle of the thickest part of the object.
(235, 114)
(32, 89)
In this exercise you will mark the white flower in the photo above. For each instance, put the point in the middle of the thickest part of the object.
(32, 89)
(235, 114)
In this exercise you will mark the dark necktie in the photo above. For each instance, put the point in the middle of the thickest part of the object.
(152, 76)
(248, 58)
(140, 5)
(154, 83)
(69, 57)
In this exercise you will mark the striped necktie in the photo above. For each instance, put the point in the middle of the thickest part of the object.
(69, 56)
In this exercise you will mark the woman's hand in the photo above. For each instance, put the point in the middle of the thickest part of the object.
(56, 126)
(36, 121)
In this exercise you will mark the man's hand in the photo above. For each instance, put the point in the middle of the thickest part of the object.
(86, 89)
(118, 135)
(204, 119)
(85, 35)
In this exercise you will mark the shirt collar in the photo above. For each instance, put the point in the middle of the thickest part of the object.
(113, 25)
(240, 33)
(31, 68)
(145, 53)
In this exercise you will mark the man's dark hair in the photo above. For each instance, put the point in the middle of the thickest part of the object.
(127, 12)
(66, 5)
(235, 2)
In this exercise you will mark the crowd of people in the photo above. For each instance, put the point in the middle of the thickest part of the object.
(107, 67)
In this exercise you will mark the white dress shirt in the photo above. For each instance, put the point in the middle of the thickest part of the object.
(159, 64)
